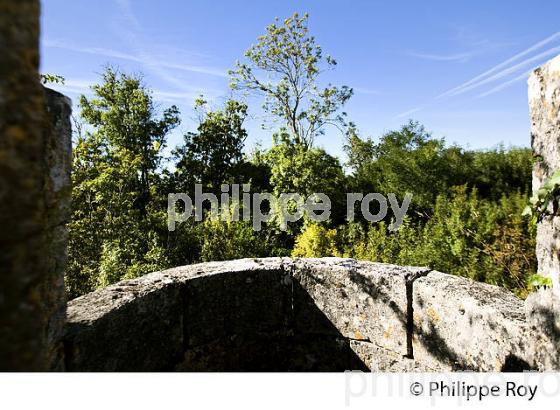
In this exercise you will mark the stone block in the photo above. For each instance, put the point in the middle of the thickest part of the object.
(362, 301)
(542, 309)
(466, 325)
(135, 325)
(236, 300)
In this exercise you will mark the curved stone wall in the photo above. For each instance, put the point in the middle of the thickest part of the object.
(329, 314)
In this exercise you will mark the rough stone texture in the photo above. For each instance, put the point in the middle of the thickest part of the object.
(34, 178)
(238, 314)
(259, 302)
(462, 324)
(57, 193)
(265, 314)
(331, 314)
(544, 104)
(360, 300)
(136, 325)
(543, 316)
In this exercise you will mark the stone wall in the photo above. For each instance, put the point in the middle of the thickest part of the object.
(35, 159)
(329, 314)
(544, 104)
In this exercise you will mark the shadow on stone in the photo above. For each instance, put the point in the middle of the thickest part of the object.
(437, 346)
(515, 364)
(285, 346)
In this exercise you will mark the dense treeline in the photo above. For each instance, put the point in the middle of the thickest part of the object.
(465, 215)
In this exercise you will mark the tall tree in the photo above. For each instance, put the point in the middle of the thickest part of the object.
(284, 67)
(116, 214)
(123, 114)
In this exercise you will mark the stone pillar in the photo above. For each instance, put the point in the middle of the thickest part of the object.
(544, 104)
(57, 193)
(35, 159)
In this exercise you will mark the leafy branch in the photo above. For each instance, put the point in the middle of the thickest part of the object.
(549, 192)
(52, 79)
(537, 281)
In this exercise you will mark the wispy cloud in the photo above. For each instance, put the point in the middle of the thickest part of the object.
(533, 61)
(73, 86)
(170, 96)
(366, 91)
(196, 69)
(83, 86)
(409, 112)
(149, 62)
(459, 57)
(505, 84)
(131, 29)
(519, 65)
(500, 68)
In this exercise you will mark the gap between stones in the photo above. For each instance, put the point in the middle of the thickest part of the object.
(409, 283)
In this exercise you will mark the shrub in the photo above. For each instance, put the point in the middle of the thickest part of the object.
(316, 241)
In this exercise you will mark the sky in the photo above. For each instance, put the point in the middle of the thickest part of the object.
(460, 68)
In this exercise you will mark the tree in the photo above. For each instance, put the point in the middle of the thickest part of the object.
(118, 221)
(284, 67)
(316, 242)
(498, 172)
(404, 160)
(360, 155)
(295, 169)
(123, 113)
(212, 155)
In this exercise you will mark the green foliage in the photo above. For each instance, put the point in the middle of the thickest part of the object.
(296, 169)
(118, 263)
(537, 281)
(213, 155)
(467, 236)
(224, 240)
(408, 160)
(284, 67)
(118, 221)
(545, 195)
(498, 172)
(315, 242)
(465, 217)
(411, 160)
(52, 79)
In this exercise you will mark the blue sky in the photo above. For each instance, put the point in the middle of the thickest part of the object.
(460, 68)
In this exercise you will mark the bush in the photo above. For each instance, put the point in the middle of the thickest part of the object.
(480, 239)
(315, 242)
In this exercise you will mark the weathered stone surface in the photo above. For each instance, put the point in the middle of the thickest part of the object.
(542, 339)
(57, 193)
(544, 104)
(363, 301)
(387, 361)
(331, 314)
(251, 298)
(460, 324)
(34, 198)
(265, 314)
(136, 325)
(238, 353)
